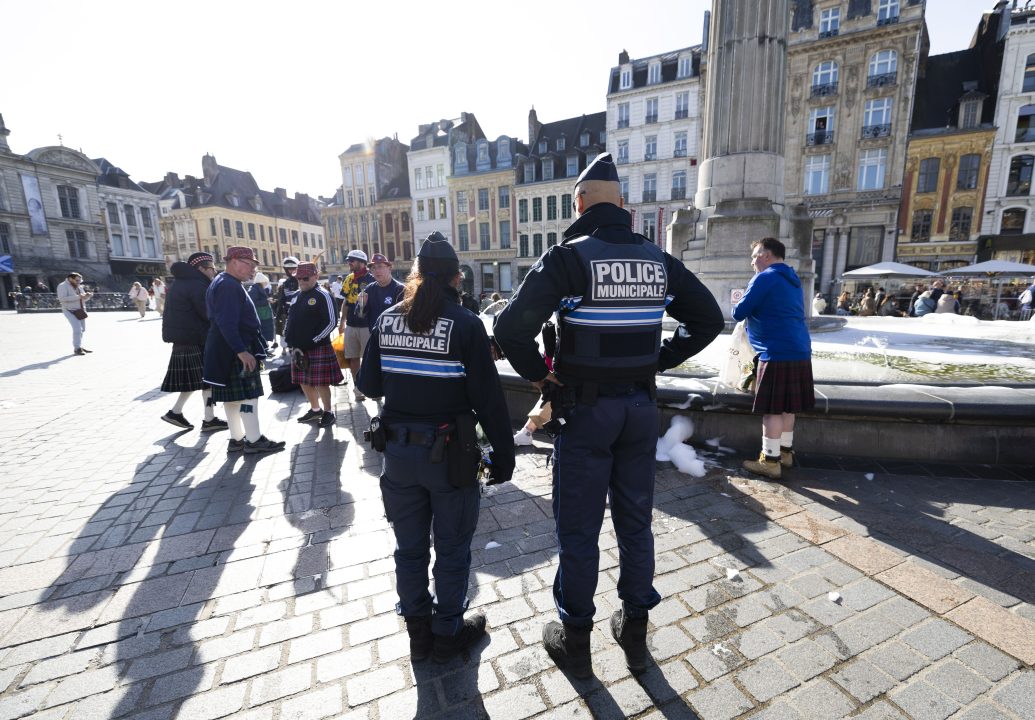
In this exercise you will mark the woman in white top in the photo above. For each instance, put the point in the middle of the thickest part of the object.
(139, 296)
(73, 300)
(158, 287)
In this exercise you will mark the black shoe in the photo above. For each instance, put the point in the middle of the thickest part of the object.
(327, 420)
(213, 425)
(421, 639)
(569, 648)
(79, 351)
(311, 416)
(85, 350)
(175, 418)
(263, 445)
(234, 446)
(631, 634)
(446, 647)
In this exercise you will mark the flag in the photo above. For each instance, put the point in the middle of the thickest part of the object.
(6, 264)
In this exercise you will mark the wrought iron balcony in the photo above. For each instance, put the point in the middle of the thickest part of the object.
(679, 152)
(825, 137)
(649, 196)
(650, 119)
(682, 113)
(876, 131)
(623, 160)
(650, 156)
(678, 193)
(825, 89)
(890, 20)
(623, 123)
(882, 80)
(828, 33)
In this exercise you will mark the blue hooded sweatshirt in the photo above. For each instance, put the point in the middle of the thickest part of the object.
(775, 314)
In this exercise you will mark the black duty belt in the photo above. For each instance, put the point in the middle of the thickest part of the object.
(410, 437)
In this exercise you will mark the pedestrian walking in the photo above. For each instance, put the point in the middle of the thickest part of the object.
(353, 323)
(430, 361)
(72, 298)
(159, 290)
(613, 288)
(186, 326)
(259, 292)
(314, 367)
(233, 350)
(384, 292)
(286, 291)
(138, 294)
(777, 328)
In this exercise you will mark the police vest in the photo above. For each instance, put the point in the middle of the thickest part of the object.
(613, 332)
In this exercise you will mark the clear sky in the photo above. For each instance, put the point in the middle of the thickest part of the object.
(282, 88)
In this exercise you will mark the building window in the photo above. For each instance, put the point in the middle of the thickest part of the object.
(488, 277)
(572, 167)
(460, 156)
(654, 73)
(504, 234)
(650, 147)
(1019, 180)
(537, 244)
(887, 12)
(679, 184)
(824, 79)
(679, 144)
(462, 237)
(967, 178)
(440, 174)
(5, 239)
(226, 227)
(623, 152)
(864, 246)
(921, 229)
(871, 169)
(523, 245)
(821, 126)
(421, 216)
(68, 197)
(551, 207)
(251, 231)
(461, 201)
(1013, 221)
(559, 144)
(294, 233)
(504, 197)
(682, 105)
(959, 228)
(77, 246)
(927, 180)
(651, 113)
(503, 158)
(537, 209)
(877, 118)
(623, 182)
(1029, 74)
(547, 168)
(431, 209)
(361, 195)
(239, 227)
(817, 175)
(523, 210)
(529, 171)
(883, 69)
(429, 177)
(650, 227)
(566, 207)
(484, 236)
(829, 22)
(134, 246)
(405, 220)
(149, 247)
(131, 216)
(418, 179)
(1025, 124)
(113, 214)
(584, 139)
(283, 232)
(625, 79)
(650, 187)
(623, 115)
(483, 153)
(483, 199)
(684, 68)
(117, 247)
(551, 239)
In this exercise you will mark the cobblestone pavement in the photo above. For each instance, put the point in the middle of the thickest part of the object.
(145, 574)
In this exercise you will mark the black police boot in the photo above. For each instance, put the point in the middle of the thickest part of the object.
(421, 639)
(569, 648)
(631, 634)
(449, 646)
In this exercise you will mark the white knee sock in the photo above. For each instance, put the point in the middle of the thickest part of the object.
(181, 401)
(787, 440)
(771, 446)
(210, 404)
(233, 419)
(251, 420)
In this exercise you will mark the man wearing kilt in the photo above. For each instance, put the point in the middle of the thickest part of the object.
(234, 344)
(314, 367)
(775, 312)
(185, 325)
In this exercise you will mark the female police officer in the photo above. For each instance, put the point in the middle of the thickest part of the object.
(430, 360)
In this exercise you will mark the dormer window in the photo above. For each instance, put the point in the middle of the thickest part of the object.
(543, 146)
(625, 79)
(829, 22)
(460, 156)
(258, 202)
(560, 144)
(503, 151)
(970, 114)
(654, 73)
(483, 153)
(684, 67)
(584, 139)
(234, 200)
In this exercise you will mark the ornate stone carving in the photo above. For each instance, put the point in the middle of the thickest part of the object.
(65, 158)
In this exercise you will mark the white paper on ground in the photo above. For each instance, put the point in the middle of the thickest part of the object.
(492, 544)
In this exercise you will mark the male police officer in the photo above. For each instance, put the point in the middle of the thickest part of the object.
(610, 289)
(286, 292)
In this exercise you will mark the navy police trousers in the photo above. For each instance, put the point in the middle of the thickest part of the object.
(418, 500)
(605, 449)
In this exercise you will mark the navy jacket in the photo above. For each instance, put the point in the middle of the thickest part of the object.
(775, 312)
(235, 328)
(433, 378)
(310, 320)
(558, 274)
(185, 320)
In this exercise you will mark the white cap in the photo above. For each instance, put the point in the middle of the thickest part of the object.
(357, 255)
(261, 279)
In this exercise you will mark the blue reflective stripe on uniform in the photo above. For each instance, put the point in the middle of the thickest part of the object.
(668, 299)
(615, 316)
(419, 366)
(569, 303)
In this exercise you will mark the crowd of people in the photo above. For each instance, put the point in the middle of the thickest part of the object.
(922, 299)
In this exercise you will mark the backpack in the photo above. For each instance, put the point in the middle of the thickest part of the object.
(280, 380)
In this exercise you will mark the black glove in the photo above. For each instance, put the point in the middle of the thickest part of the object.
(501, 469)
(298, 360)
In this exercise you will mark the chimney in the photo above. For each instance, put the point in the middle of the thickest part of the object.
(209, 168)
(172, 180)
(533, 126)
(623, 57)
(4, 132)
(281, 193)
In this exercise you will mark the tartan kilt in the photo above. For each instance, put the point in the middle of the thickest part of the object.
(323, 368)
(784, 386)
(184, 372)
(240, 387)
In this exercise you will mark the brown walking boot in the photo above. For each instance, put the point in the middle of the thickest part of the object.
(766, 466)
(787, 457)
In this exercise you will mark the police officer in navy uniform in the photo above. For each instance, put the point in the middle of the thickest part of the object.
(610, 289)
(431, 361)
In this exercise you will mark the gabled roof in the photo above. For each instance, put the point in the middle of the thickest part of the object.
(669, 69)
(945, 81)
(570, 129)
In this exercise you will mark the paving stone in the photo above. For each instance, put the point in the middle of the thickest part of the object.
(997, 626)
(376, 627)
(900, 612)
(863, 553)
(715, 661)
(863, 680)
(313, 705)
(756, 642)
(198, 678)
(920, 584)
(160, 664)
(667, 681)
(275, 685)
(524, 663)
(923, 702)
(243, 666)
(819, 699)
(806, 659)
(668, 642)
(216, 704)
(790, 626)
(315, 644)
(339, 665)
(23, 703)
(84, 684)
(415, 702)
(374, 684)
(747, 610)
(212, 650)
(1018, 693)
(766, 679)
(58, 667)
(517, 703)
(779, 710)
(988, 661)
(896, 659)
(957, 681)
(936, 638)
(499, 614)
(719, 701)
(467, 686)
(880, 711)
(826, 611)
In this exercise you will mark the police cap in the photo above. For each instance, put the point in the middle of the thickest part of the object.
(436, 247)
(602, 168)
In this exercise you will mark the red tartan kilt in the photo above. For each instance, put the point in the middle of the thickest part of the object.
(784, 386)
(323, 368)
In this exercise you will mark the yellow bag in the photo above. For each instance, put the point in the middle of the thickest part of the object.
(338, 343)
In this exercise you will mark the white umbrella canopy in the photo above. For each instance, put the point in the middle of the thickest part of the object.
(993, 269)
(888, 270)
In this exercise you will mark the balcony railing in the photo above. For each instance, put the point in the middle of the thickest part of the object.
(826, 137)
(882, 80)
(650, 195)
(680, 114)
(650, 119)
(650, 156)
(876, 131)
(825, 89)
(623, 123)
(678, 193)
(623, 160)
(890, 20)
(828, 33)
(679, 152)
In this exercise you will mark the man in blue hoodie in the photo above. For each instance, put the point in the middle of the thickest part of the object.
(775, 313)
